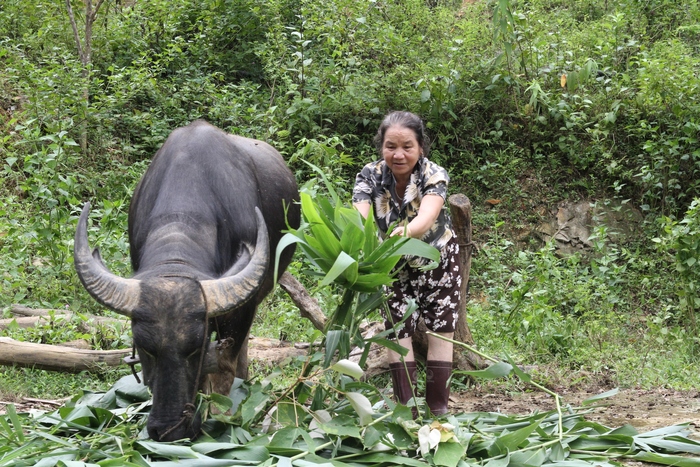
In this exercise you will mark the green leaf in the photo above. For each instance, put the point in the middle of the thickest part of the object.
(603, 443)
(673, 444)
(381, 458)
(495, 371)
(367, 303)
(419, 248)
(362, 406)
(524, 377)
(349, 368)
(16, 430)
(168, 450)
(532, 458)
(448, 454)
(351, 240)
(603, 395)
(324, 238)
(344, 264)
(499, 462)
(253, 404)
(341, 425)
(333, 340)
(512, 441)
(223, 403)
(286, 240)
(368, 283)
(389, 344)
(667, 459)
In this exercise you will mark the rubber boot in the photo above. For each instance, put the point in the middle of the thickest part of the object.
(437, 389)
(403, 380)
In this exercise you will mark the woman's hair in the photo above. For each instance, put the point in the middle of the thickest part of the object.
(407, 120)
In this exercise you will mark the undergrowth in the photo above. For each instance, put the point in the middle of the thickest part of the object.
(527, 104)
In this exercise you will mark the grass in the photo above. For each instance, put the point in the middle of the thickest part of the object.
(17, 383)
(575, 324)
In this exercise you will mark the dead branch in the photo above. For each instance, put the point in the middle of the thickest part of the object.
(308, 306)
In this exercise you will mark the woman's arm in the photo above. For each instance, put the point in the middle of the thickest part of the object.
(363, 208)
(428, 213)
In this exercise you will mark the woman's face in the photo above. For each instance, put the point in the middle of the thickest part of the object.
(401, 151)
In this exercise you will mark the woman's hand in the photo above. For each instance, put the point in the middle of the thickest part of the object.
(404, 231)
(428, 213)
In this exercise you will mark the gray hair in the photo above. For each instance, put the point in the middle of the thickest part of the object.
(407, 120)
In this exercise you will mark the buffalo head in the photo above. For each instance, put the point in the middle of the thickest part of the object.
(170, 313)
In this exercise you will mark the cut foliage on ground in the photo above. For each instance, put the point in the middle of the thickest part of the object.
(359, 427)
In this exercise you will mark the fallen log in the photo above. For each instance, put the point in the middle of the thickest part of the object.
(29, 317)
(74, 360)
(29, 321)
(20, 310)
(56, 358)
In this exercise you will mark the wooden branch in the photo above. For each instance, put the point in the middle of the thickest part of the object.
(57, 358)
(76, 36)
(308, 306)
(461, 211)
(74, 360)
(96, 10)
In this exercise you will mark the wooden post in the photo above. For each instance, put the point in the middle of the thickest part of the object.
(461, 211)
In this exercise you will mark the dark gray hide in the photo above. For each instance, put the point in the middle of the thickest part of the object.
(204, 224)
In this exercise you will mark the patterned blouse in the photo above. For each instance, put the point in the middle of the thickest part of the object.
(375, 182)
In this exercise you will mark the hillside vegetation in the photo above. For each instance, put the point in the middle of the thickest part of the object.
(528, 102)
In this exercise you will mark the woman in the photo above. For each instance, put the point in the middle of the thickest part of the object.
(405, 187)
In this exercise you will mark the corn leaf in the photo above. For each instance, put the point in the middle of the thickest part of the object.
(362, 406)
(667, 459)
(603, 395)
(351, 240)
(494, 371)
(344, 265)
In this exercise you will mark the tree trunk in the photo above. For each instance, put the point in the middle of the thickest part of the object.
(85, 53)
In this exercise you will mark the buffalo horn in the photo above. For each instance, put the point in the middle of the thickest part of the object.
(233, 290)
(117, 293)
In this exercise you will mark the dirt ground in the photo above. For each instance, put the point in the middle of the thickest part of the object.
(643, 409)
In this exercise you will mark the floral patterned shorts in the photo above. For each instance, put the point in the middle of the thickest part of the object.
(436, 293)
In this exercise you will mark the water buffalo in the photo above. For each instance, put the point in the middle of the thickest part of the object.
(204, 223)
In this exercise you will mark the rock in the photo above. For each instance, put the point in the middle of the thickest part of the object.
(574, 224)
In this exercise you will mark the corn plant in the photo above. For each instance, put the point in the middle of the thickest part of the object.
(345, 250)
